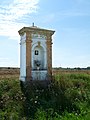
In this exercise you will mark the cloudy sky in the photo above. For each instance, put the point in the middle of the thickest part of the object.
(69, 18)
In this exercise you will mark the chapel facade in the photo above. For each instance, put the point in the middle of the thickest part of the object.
(35, 53)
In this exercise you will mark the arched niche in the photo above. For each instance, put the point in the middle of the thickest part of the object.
(38, 57)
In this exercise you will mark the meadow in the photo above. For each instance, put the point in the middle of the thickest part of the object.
(67, 97)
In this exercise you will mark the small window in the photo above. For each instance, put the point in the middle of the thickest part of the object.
(36, 52)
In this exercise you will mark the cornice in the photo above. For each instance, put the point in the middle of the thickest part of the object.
(35, 30)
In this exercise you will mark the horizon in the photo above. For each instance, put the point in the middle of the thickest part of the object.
(79, 68)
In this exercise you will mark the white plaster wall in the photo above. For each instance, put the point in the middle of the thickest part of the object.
(39, 75)
(23, 58)
(42, 40)
(36, 75)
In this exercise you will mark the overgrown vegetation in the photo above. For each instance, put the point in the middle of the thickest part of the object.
(66, 97)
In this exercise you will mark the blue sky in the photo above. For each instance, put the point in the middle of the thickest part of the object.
(69, 18)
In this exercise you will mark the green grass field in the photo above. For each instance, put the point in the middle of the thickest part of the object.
(67, 97)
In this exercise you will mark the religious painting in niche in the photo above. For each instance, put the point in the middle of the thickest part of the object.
(36, 52)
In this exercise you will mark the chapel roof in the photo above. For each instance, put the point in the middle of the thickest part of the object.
(35, 29)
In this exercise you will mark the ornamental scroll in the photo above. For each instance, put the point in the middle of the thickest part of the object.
(38, 36)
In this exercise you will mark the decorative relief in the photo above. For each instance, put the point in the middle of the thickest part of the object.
(38, 36)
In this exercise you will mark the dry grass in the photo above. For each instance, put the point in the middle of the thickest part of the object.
(70, 71)
(15, 72)
(9, 73)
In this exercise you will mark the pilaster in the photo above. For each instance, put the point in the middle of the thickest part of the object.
(49, 56)
(28, 55)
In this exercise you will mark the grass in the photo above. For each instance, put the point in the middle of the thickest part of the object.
(11, 99)
(67, 97)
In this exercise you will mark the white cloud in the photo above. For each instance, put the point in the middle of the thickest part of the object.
(12, 13)
(2, 58)
(8, 62)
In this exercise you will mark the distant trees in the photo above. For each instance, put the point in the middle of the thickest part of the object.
(76, 68)
(88, 68)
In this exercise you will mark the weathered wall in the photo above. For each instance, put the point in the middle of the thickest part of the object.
(23, 57)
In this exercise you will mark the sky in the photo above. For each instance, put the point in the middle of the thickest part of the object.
(69, 18)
